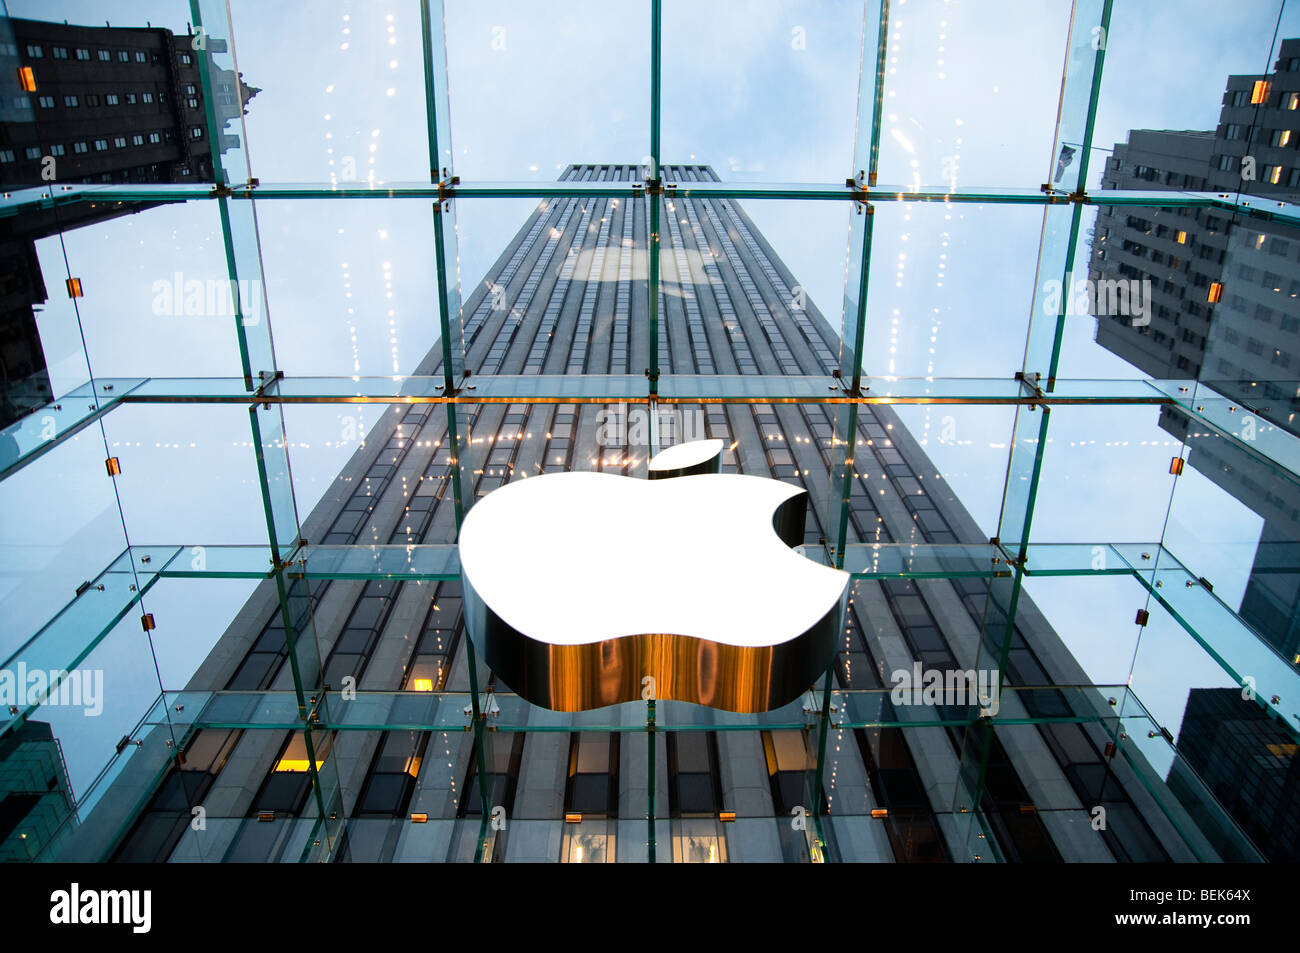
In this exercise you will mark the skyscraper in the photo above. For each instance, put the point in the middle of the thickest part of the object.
(567, 296)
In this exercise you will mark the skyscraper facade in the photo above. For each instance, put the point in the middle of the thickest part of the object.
(567, 296)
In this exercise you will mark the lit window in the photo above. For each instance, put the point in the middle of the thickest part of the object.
(1259, 92)
(1180, 236)
(1292, 101)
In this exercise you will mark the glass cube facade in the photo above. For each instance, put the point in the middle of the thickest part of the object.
(289, 291)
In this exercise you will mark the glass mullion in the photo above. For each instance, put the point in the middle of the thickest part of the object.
(447, 253)
(1080, 87)
(871, 90)
(214, 36)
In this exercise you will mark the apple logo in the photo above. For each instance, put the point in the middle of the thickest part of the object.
(580, 586)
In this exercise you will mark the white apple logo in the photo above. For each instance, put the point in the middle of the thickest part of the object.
(580, 585)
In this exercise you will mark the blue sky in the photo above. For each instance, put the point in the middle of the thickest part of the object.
(762, 91)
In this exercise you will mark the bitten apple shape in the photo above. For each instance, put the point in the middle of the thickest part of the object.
(580, 586)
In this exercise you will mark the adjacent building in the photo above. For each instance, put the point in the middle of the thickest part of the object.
(97, 104)
(1224, 311)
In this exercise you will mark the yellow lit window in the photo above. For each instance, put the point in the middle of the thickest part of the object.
(1216, 292)
(1259, 92)
(1284, 137)
(26, 79)
(295, 755)
(1180, 236)
(1293, 101)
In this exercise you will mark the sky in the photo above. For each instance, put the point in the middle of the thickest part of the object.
(761, 91)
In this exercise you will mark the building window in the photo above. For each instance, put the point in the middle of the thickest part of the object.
(189, 89)
(1259, 92)
(101, 145)
(104, 55)
(70, 102)
(155, 138)
(83, 54)
(6, 155)
(35, 52)
(1281, 137)
(119, 142)
(123, 56)
(140, 57)
(80, 148)
(92, 99)
(196, 132)
(1291, 101)
(1226, 163)
(1240, 97)
(1272, 174)
(1234, 131)
(130, 99)
(58, 149)
(137, 140)
(186, 59)
(111, 99)
(1293, 178)
(59, 52)
(591, 799)
(146, 97)
(47, 102)
(192, 103)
